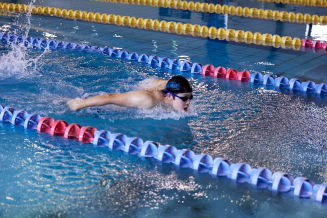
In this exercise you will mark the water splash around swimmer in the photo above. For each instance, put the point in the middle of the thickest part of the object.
(16, 62)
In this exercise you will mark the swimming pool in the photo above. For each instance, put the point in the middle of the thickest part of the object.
(45, 175)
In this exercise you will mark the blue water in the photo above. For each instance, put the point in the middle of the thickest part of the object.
(49, 176)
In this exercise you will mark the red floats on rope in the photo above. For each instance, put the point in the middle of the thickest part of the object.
(86, 134)
(61, 128)
(243, 76)
(208, 70)
(58, 127)
(313, 44)
(220, 72)
(45, 124)
(72, 131)
(231, 74)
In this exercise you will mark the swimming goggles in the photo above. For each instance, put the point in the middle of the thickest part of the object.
(182, 98)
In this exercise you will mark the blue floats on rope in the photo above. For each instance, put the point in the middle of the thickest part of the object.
(115, 53)
(31, 121)
(184, 158)
(320, 193)
(81, 47)
(281, 82)
(185, 66)
(268, 80)
(123, 54)
(321, 89)
(6, 114)
(240, 172)
(282, 182)
(167, 153)
(294, 84)
(19, 118)
(143, 58)
(36, 43)
(261, 177)
(256, 78)
(133, 145)
(13, 39)
(45, 43)
(28, 42)
(101, 138)
(153, 60)
(309, 86)
(5, 37)
(53, 44)
(175, 64)
(164, 62)
(117, 141)
(202, 163)
(196, 68)
(61, 45)
(150, 149)
(71, 46)
(303, 187)
(221, 167)
(133, 56)
(20, 39)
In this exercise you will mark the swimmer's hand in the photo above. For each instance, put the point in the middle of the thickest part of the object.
(76, 104)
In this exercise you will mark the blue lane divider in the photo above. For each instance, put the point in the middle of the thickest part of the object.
(280, 83)
(203, 163)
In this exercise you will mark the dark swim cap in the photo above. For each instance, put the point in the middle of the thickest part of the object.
(178, 84)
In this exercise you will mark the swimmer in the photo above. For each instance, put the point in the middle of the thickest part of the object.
(176, 92)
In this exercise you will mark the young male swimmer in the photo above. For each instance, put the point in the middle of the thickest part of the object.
(176, 92)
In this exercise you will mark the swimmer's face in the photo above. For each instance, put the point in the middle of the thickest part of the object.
(180, 105)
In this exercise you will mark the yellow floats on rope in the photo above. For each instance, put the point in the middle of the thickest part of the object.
(313, 3)
(164, 26)
(232, 10)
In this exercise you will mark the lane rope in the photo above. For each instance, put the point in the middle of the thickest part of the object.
(231, 10)
(267, 81)
(311, 3)
(170, 27)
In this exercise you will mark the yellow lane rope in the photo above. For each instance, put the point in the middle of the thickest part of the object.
(312, 3)
(164, 26)
(232, 10)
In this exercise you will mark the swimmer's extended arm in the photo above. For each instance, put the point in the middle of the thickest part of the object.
(137, 99)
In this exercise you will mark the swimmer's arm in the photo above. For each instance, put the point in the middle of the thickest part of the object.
(137, 99)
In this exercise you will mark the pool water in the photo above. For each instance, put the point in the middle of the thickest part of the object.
(49, 176)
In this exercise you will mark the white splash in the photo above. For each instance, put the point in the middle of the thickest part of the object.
(15, 64)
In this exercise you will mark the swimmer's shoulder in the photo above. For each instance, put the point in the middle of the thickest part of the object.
(159, 84)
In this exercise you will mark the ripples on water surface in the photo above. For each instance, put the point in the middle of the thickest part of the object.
(41, 174)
